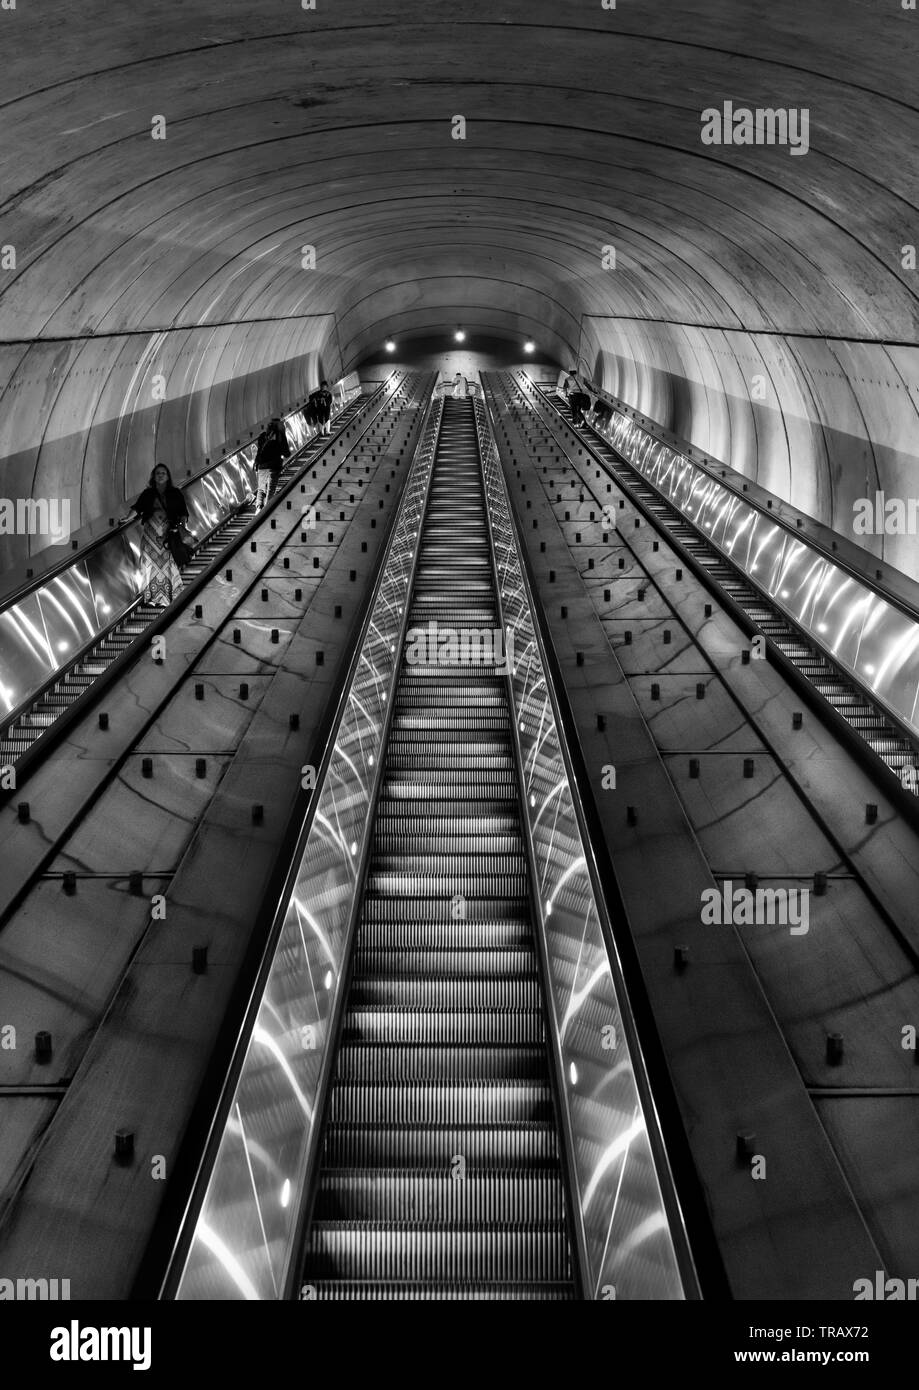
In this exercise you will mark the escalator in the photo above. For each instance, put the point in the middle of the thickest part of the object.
(440, 1172)
(22, 727)
(887, 734)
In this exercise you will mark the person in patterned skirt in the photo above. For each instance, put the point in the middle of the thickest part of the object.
(160, 508)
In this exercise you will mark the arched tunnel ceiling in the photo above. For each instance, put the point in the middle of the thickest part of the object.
(159, 305)
(332, 128)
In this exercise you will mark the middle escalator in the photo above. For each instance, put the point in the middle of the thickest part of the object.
(440, 1172)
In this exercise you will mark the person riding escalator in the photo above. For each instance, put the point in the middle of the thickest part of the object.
(165, 539)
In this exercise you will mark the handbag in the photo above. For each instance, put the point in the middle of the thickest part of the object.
(181, 544)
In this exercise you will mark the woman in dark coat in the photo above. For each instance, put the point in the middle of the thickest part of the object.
(160, 508)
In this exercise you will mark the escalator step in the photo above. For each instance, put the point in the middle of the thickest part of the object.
(400, 1251)
(357, 1290)
(518, 1145)
(451, 1195)
(439, 1060)
(417, 1028)
(457, 992)
(443, 909)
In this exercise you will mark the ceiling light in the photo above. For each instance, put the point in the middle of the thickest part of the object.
(529, 347)
(390, 345)
(459, 336)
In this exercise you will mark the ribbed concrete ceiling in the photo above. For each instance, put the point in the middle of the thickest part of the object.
(332, 128)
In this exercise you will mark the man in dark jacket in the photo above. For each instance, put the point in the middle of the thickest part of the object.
(319, 408)
(270, 453)
(578, 398)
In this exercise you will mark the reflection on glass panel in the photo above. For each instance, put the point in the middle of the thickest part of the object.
(872, 638)
(26, 657)
(114, 574)
(68, 611)
(627, 1235)
(243, 1237)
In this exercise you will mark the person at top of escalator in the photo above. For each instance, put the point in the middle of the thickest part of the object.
(460, 387)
